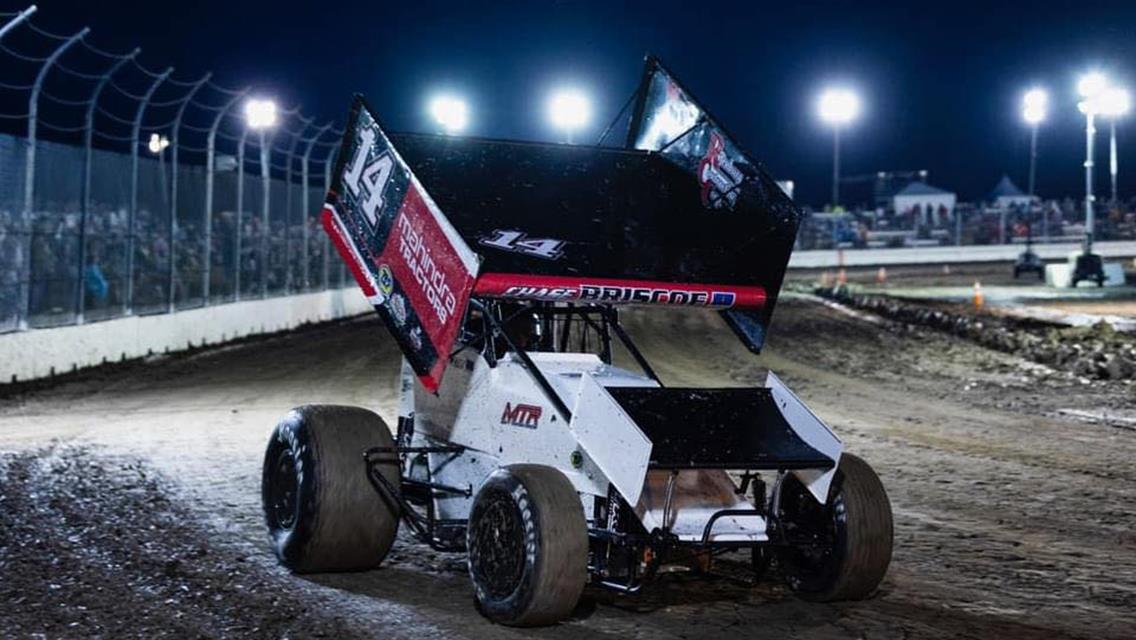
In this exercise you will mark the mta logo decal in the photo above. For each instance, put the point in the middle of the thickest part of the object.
(521, 415)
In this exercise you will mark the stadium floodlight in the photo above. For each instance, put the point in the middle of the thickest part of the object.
(1114, 102)
(569, 110)
(260, 114)
(450, 113)
(837, 107)
(1035, 106)
(1091, 84)
(157, 143)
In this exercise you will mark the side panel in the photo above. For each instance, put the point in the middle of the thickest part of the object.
(810, 429)
(501, 412)
(407, 258)
(610, 438)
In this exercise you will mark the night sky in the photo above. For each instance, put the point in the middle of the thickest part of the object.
(941, 83)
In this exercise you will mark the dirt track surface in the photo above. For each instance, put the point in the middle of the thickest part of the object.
(1012, 519)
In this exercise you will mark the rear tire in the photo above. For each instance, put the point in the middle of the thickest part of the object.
(322, 512)
(528, 546)
(856, 520)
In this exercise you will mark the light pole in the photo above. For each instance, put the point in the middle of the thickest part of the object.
(1035, 107)
(450, 113)
(1114, 103)
(1092, 88)
(1035, 104)
(569, 110)
(260, 116)
(157, 145)
(837, 108)
(210, 170)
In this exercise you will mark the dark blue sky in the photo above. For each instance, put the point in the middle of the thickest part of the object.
(941, 82)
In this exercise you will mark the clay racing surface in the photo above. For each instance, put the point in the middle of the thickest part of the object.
(130, 506)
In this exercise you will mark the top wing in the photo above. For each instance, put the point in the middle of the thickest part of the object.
(683, 216)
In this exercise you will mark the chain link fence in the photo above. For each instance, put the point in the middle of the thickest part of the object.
(127, 190)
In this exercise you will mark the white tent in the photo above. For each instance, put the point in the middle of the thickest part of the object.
(1006, 194)
(930, 204)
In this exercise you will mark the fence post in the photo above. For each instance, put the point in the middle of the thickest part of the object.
(29, 174)
(266, 188)
(296, 137)
(14, 22)
(240, 210)
(172, 267)
(329, 161)
(305, 176)
(88, 159)
(132, 215)
(210, 168)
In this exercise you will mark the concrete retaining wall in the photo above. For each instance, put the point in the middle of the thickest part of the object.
(827, 259)
(38, 353)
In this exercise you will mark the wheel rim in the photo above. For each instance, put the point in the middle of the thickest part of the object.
(814, 530)
(497, 544)
(284, 490)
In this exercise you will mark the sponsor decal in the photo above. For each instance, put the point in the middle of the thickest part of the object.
(718, 175)
(415, 336)
(398, 308)
(613, 291)
(386, 280)
(522, 415)
(519, 242)
(422, 261)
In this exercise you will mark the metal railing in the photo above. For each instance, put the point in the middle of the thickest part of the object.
(964, 224)
(129, 190)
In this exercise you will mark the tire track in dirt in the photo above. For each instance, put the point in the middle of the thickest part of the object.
(1010, 522)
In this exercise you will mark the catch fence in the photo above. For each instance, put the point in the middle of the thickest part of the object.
(130, 190)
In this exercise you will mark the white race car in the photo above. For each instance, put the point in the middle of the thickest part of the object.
(550, 451)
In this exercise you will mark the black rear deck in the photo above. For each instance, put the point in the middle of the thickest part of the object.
(716, 429)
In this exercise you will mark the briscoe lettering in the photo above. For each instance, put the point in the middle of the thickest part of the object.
(624, 294)
(426, 271)
(522, 415)
(647, 295)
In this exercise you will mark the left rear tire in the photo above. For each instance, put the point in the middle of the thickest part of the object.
(321, 510)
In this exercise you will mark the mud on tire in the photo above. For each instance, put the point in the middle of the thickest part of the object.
(528, 546)
(854, 529)
(321, 510)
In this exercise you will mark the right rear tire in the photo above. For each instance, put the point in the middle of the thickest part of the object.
(322, 512)
(851, 533)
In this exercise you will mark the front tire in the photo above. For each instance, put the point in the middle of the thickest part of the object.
(321, 510)
(840, 550)
(528, 546)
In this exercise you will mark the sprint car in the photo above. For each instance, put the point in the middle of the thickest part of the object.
(532, 433)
